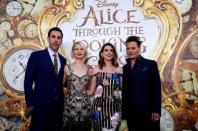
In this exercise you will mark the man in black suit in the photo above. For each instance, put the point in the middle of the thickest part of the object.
(43, 85)
(141, 90)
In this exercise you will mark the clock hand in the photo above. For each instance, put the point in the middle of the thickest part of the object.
(16, 8)
(21, 64)
(24, 68)
(18, 75)
(192, 85)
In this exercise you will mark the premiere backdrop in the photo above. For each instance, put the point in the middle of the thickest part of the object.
(168, 29)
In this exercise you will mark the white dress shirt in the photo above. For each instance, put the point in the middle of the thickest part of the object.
(51, 53)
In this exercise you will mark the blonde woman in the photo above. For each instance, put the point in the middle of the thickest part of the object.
(77, 112)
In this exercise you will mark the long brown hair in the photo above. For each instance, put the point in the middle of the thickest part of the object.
(114, 61)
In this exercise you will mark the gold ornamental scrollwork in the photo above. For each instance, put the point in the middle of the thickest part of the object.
(55, 15)
(78, 4)
(45, 23)
(139, 2)
(174, 29)
(170, 28)
(170, 24)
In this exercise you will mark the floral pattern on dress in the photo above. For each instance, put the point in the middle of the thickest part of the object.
(106, 107)
(77, 105)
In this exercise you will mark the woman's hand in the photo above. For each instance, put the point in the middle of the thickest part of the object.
(66, 91)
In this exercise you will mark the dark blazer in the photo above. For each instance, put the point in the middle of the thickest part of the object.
(141, 87)
(48, 87)
(44, 91)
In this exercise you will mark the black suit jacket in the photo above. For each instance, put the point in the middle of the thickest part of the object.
(48, 88)
(141, 87)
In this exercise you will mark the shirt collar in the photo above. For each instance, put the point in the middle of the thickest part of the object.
(137, 59)
(51, 52)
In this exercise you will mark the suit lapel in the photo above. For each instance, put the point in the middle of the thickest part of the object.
(62, 64)
(138, 65)
(49, 61)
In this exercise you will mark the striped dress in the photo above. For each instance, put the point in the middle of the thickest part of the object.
(106, 107)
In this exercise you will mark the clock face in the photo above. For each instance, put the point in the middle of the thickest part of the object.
(11, 33)
(3, 36)
(14, 67)
(13, 8)
(183, 5)
(5, 25)
(166, 121)
(31, 30)
(22, 25)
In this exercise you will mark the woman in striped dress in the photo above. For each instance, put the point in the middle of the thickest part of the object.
(106, 82)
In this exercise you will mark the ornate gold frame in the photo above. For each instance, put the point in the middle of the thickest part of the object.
(164, 11)
(171, 27)
(52, 16)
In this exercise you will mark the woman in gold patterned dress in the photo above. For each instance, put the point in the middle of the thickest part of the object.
(77, 112)
(106, 107)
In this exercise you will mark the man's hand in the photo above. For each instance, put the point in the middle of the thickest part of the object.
(123, 125)
(155, 117)
(28, 111)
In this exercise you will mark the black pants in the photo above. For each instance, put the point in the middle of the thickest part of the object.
(46, 118)
(142, 122)
(78, 126)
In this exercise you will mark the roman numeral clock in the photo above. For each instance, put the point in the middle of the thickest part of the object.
(14, 8)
